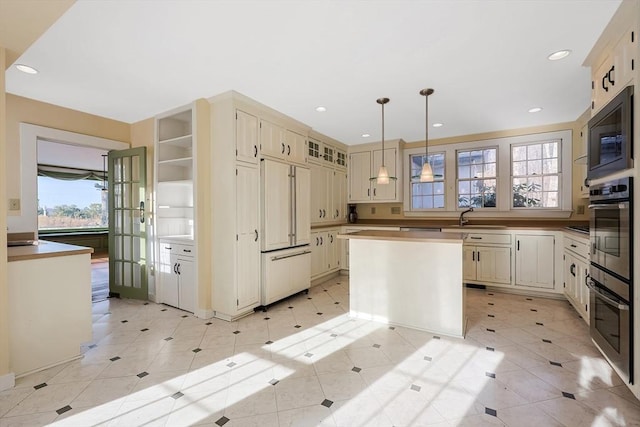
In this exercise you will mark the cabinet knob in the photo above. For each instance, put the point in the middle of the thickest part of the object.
(282, 147)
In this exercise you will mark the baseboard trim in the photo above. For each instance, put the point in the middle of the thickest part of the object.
(204, 314)
(7, 381)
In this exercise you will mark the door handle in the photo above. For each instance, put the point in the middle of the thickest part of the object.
(572, 270)
(178, 269)
(288, 149)
(609, 75)
(321, 240)
(478, 256)
(324, 213)
(368, 192)
(277, 258)
(256, 239)
(337, 213)
(255, 151)
(374, 192)
(331, 237)
(604, 79)
(518, 246)
(473, 255)
(142, 212)
(605, 298)
(317, 241)
(175, 268)
(282, 147)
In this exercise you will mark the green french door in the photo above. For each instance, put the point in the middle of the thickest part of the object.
(127, 222)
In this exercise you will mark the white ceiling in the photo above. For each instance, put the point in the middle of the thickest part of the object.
(486, 60)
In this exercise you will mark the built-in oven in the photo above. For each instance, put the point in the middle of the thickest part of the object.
(611, 270)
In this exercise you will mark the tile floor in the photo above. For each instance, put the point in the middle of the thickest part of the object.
(524, 362)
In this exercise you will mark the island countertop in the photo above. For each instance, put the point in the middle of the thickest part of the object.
(44, 249)
(408, 236)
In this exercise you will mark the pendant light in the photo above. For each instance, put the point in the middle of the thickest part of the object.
(383, 174)
(426, 175)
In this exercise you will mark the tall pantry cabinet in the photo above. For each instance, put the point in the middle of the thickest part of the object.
(180, 211)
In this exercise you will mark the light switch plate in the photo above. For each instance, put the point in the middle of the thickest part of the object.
(14, 204)
(580, 209)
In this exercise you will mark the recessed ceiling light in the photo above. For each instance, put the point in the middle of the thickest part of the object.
(321, 109)
(26, 69)
(558, 55)
(438, 125)
(365, 135)
(535, 110)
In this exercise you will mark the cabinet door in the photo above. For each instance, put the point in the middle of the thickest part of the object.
(246, 137)
(272, 140)
(570, 273)
(277, 206)
(493, 264)
(317, 253)
(359, 174)
(317, 190)
(303, 206)
(168, 276)
(583, 290)
(602, 88)
(624, 55)
(247, 244)
(534, 261)
(187, 284)
(469, 263)
(582, 165)
(384, 191)
(296, 147)
(332, 250)
(339, 196)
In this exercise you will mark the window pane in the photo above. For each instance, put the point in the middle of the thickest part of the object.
(438, 201)
(489, 170)
(534, 151)
(438, 187)
(534, 167)
(519, 153)
(428, 202)
(416, 202)
(490, 155)
(519, 168)
(550, 183)
(427, 189)
(550, 166)
(550, 149)
(464, 187)
(464, 172)
(551, 199)
(535, 184)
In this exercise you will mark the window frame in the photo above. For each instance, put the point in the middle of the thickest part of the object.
(559, 174)
(496, 178)
(410, 185)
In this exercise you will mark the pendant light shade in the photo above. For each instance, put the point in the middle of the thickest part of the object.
(383, 174)
(426, 175)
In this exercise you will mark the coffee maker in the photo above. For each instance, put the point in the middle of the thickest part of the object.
(353, 215)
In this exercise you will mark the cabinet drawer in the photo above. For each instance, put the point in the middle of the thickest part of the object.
(578, 246)
(178, 249)
(486, 238)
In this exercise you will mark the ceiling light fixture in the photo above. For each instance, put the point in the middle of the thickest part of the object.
(438, 125)
(26, 69)
(535, 110)
(321, 109)
(559, 55)
(426, 175)
(383, 174)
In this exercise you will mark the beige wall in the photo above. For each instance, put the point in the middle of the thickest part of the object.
(4, 311)
(383, 210)
(26, 110)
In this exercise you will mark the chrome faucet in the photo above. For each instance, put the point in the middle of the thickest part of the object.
(463, 221)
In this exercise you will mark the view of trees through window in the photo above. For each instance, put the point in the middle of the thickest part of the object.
(75, 204)
(477, 172)
(536, 179)
(427, 195)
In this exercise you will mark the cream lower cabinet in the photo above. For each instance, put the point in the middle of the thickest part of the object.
(486, 264)
(535, 256)
(177, 275)
(325, 252)
(248, 242)
(576, 271)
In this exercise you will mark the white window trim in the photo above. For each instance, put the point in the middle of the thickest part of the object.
(407, 189)
(503, 208)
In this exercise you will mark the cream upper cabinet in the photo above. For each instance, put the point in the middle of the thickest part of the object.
(321, 190)
(535, 261)
(296, 147)
(247, 138)
(272, 140)
(339, 205)
(359, 174)
(581, 162)
(364, 163)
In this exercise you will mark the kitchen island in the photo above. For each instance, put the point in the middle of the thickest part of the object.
(407, 278)
(49, 304)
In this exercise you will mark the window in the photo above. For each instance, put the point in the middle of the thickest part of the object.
(535, 170)
(477, 173)
(76, 204)
(427, 195)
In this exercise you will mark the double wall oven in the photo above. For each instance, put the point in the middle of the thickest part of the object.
(611, 272)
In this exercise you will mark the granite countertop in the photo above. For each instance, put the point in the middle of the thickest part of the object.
(44, 249)
(407, 236)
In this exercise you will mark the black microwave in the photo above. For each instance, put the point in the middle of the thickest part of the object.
(611, 137)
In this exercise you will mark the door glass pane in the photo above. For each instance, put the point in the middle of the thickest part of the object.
(136, 249)
(127, 221)
(118, 273)
(126, 168)
(127, 280)
(126, 195)
(137, 276)
(135, 168)
(126, 243)
(135, 195)
(117, 166)
(117, 196)
(117, 214)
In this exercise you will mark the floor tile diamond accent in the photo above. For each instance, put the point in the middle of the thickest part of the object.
(491, 303)
(334, 335)
(337, 302)
(267, 318)
(490, 348)
(231, 364)
(319, 313)
(197, 350)
(327, 403)
(490, 374)
(529, 299)
(556, 363)
(177, 395)
(290, 307)
(533, 309)
(428, 358)
(184, 316)
(93, 345)
(63, 409)
(39, 386)
(539, 323)
(490, 294)
(308, 354)
(356, 369)
(222, 421)
(164, 309)
(491, 315)
(491, 412)
(236, 332)
(376, 345)
(547, 341)
(435, 337)
(490, 330)
(142, 374)
(297, 326)
(393, 328)
(144, 330)
(415, 387)
(274, 381)
(113, 359)
(568, 395)
(123, 321)
(146, 303)
(309, 298)
(269, 342)
(208, 323)
(168, 338)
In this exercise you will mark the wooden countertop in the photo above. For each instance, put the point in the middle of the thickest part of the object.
(44, 249)
(407, 236)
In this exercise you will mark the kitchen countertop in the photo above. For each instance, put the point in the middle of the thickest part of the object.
(408, 236)
(44, 249)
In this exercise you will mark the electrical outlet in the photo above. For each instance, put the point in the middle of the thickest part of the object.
(395, 210)
(373, 211)
(14, 204)
(580, 209)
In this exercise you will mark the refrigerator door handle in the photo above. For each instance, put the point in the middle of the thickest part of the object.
(293, 223)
